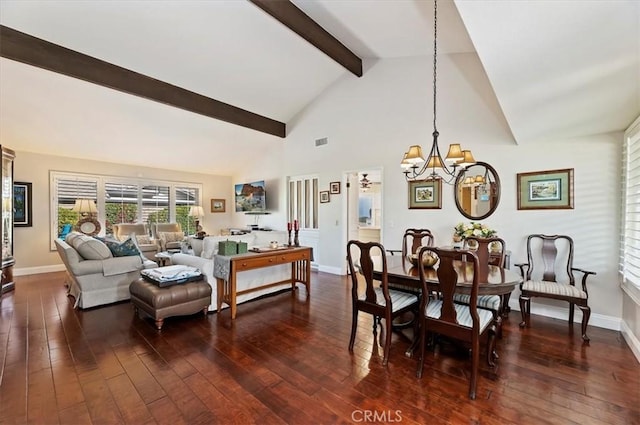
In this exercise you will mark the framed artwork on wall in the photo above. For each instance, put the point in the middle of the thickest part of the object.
(542, 190)
(425, 194)
(334, 188)
(22, 211)
(218, 205)
(324, 196)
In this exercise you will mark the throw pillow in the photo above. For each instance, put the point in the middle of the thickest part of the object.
(143, 239)
(91, 249)
(123, 249)
(166, 237)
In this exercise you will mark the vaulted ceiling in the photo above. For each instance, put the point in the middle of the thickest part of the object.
(558, 69)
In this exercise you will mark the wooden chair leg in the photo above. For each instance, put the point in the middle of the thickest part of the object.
(422, 336)
(571, 311)
(159, 323)
(586, 313)
(387, 341)
(525, 305)
(354, 325)
(475, 363)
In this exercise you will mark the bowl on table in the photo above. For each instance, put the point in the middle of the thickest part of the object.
(428, 260)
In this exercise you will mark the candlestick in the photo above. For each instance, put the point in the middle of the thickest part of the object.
(296, 225)
(289, 238)
(289, 226)
(296, 242)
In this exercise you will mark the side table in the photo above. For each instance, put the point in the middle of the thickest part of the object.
(163, 258)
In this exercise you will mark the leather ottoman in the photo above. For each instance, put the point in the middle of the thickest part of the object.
(176, 300)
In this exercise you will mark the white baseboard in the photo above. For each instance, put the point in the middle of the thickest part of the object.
(331, 270)
(24, 271)
(599, 320)
(631, 339)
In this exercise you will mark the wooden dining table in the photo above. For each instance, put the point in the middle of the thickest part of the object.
(493, 280)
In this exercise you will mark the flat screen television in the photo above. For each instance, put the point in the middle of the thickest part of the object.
(250, 197)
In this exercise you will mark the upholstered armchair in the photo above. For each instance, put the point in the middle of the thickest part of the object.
(147, 245)
(168, 235)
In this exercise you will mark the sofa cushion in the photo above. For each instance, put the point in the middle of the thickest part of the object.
(90, 248)
(123, 249)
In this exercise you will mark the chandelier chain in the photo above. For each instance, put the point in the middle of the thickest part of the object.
(435, 58)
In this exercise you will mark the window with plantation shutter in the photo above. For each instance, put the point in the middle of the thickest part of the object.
(630, 234)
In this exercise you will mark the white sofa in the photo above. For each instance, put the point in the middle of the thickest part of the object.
(94, 276)
(206, 249)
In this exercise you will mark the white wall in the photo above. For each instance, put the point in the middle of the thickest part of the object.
(32, 244)
(370, 122)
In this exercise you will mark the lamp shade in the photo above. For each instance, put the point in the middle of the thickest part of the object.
(414, 155)
(455, 153)
(85, 206)
(479, 179)
(434, 162)
(468, 159)
(405, 163)
(196, 211)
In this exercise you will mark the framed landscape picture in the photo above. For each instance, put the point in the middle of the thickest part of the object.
(218, 205)
(425, 194)
(541, 190)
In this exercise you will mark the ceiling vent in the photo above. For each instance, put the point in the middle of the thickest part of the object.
(320, 142)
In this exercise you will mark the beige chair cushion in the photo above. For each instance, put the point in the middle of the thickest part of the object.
(553, 288)
(168, 239)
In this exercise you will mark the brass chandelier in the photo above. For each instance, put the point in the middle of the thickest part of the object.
(413, 163)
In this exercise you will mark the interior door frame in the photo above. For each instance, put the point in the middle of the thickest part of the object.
(347, 207)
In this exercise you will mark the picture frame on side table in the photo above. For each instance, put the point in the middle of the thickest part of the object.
(425, 194)
(545, 190)
(22, 211)
(324, 196)
(334, 188)
(218, 205)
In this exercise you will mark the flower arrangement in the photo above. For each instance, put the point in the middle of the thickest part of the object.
(462, 231)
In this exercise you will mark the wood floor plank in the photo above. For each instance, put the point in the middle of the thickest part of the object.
(284, 360)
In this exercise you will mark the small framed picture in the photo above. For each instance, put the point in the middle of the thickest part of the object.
(334, 188)
(324, 196)
(22, 204)
(542, 190)
(218, 205)
(425, 194)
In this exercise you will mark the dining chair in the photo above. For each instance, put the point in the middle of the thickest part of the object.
(486, 252)
(549, 273)
(415, 238)
(377, 299)
(442, 316)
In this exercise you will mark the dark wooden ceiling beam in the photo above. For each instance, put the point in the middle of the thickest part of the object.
(27, 49)
(296, 20)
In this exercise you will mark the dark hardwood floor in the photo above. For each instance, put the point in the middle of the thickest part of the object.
(285, 360)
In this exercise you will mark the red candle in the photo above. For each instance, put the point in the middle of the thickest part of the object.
(296, 226)
(288, 225)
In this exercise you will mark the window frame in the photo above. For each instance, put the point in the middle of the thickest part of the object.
(629, 267)
(101, 180)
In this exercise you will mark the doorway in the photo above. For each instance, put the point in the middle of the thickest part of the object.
(364, 206)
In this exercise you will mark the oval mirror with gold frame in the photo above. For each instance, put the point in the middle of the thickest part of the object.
(89, 226)
(477, 191)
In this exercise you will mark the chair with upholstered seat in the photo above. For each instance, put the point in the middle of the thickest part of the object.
(487, 252)
(168, 235)
(378, 299)
(412, 240)
(549, 273)
(442, 316)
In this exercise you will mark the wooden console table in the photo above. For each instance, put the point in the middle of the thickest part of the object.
(227, 267)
